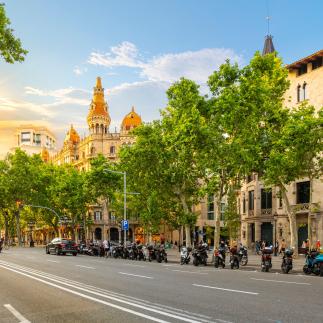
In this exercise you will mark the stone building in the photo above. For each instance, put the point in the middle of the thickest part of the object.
(80, 151)
(263, 215)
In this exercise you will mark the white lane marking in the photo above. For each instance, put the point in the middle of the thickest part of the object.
(54, 261)
(112, 295)
(190, 320)
(135, 275)
(134, 265)
(85, 267)
(88, 297)
(171, 265)
(16, 313)
(226, 289)
(190, 272)
(280, 281)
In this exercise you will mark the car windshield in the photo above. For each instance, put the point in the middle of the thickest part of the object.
(67, 241)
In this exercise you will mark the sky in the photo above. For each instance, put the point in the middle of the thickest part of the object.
(138, 48)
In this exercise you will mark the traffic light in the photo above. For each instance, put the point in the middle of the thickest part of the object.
(19, 204)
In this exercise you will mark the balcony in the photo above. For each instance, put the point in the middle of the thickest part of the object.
(266, 211)
(305, 207)
(251, 213)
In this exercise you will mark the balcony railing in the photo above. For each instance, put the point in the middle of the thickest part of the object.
(301, 207)
(266, 211)
(251, 213)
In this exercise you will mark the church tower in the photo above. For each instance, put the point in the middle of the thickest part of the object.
(268, 46)
(98, 118)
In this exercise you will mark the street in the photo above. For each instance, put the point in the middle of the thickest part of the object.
(36, 287)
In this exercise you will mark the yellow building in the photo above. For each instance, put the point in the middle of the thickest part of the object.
(263, 214)
(79, 152)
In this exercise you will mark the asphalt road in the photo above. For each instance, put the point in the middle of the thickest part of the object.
(35, 287)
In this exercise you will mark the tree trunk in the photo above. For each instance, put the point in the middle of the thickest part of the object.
(217, 228)
(292, 221)
(6, 227)
(17, 215)
(188, 235)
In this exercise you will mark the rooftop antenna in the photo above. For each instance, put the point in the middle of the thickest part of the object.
(268, 18)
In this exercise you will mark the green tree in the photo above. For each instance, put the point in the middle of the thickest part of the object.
(296, 153)
(245, 109)
(10, 47)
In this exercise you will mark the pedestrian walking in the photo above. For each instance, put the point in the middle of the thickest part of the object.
(283, 247)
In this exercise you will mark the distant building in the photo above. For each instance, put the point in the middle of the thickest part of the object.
(36, 140)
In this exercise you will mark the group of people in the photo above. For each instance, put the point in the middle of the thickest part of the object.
(278, 248)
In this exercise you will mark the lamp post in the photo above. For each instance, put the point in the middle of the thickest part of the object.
(275, 222)
(124, 198)
(31, 225)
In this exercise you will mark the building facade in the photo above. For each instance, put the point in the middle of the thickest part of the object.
(35, 140)
(263, 214)
(79, 152)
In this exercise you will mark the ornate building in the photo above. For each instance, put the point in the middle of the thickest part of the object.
(79, 152)
(263, 215)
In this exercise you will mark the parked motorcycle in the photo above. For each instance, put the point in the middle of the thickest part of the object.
(161, 254)
(200, 255)
(151, 253)
(141, 253)
(234, 258)
(243, 256)
(185, 255)
(219, 257)
(313, 263)
(266, 259)
(287, 262)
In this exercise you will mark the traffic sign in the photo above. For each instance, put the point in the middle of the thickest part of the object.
(125, 225)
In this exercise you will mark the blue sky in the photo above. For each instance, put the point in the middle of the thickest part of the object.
(138, 48)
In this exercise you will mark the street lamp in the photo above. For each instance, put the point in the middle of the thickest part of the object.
(124, 198)
(275, 222)
(31, 225)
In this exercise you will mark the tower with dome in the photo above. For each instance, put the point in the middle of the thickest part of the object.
(100, 140)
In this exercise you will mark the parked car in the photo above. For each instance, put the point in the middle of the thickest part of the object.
(60, 246)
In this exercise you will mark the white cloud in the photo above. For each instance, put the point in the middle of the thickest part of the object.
(196, 65)
(68, 95)
(79, 71)
(124, 54)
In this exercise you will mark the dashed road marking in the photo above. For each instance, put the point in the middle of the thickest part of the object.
(226, 289)
(135, 275)
(11, 309)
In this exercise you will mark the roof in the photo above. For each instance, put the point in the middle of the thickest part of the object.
(305, 60)
(132, 119)
(268, 46)
(98, 106)
(72, 136)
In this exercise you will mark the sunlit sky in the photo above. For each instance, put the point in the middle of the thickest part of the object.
(138, 48)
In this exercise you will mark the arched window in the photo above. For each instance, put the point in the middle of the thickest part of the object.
(304, 91)
(92, 150)
(97, 128)
(298, 93)
(112, 149)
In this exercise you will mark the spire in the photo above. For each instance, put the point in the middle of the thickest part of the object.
(98, 82)
(132, 109)
(268, 46)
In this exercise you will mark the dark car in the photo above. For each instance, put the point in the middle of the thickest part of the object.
(60, 246)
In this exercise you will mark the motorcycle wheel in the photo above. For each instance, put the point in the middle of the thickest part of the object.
(195, 262)
(244, 261)
(316, 270)
(306, 270)
(149, 259)
(267, 268)
(216, 263)
(232, 265)
(321, 270)
(158, 258)
(237, 264)
(182, 261)
(166, 260)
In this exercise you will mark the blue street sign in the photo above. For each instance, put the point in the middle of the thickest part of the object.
(125, 225)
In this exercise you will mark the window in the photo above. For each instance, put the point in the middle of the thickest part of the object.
(317, 63)
(305, 91)
(97, 216)
(249, 178)
(25, 137)
(298, 93)
(302, 70)
(244, 205)
(112, 216)
(251, 199)
(266, 199)
(210, 207)
(112, 149)
(303, 192)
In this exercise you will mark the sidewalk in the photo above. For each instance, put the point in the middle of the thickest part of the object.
(254, 261)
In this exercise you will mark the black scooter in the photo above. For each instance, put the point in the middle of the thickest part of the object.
(287, 263)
